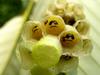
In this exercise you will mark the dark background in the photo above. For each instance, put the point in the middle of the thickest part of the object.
(11, 8)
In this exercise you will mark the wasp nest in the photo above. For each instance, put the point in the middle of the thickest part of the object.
(59, 39)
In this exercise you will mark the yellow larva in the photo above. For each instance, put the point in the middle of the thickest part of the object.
(32, 30)
(54, 25)
(69, 37)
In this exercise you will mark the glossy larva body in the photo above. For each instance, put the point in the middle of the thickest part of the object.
(71, 41)
(70, 37)
(54, 25)
(32, 30)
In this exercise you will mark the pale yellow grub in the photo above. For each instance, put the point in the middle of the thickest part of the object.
(32, 30)
(70, 37)
(54, 25)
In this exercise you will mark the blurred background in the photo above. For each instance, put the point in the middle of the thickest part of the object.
(11, 8)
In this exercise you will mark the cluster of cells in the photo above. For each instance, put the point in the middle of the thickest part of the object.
(67, 22)
(71, 29)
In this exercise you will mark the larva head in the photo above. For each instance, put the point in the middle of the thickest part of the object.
(33, 30)
(69, 38)
(54, 25)
(37, 32)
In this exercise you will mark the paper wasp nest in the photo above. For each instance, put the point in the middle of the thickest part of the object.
(67, 22)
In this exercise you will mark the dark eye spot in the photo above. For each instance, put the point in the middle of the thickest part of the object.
(35, 26)
(46, 22)
(63, 39)
(76, 27)
(66, 57)
(34, 30)
(61, 73)
(70, 36)
(79, 22)
(53, 22)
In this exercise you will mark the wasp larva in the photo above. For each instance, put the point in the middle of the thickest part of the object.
(54, 25)
(69, 37)
(71, 41)
(32, 30)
